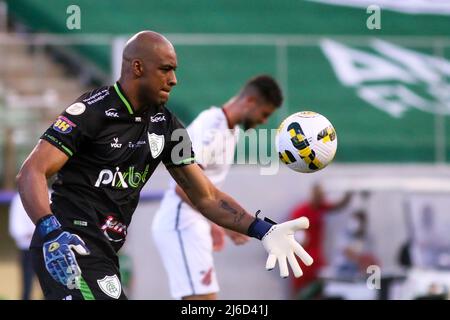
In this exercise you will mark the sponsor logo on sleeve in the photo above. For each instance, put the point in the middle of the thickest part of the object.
(96, 97)
(63, 125)
(76, 109)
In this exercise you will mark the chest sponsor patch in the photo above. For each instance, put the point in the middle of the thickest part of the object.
(114, 230)
(158, 117)
(63, 125)
(112, 113)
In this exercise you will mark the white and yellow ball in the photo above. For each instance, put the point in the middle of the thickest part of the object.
(306, 141)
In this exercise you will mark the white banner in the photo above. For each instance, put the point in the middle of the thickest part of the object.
(428, 218)
(441, 7)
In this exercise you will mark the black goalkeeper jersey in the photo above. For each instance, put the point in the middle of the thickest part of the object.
(113, 150)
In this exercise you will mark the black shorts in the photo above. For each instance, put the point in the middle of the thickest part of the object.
(99, 270)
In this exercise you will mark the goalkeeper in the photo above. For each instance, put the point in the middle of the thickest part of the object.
(104, 148)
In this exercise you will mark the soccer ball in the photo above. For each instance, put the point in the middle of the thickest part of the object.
(306, 141)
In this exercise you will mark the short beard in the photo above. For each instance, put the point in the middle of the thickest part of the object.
(149, 103)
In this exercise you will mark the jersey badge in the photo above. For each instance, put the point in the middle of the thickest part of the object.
(207, 277)
(110, 286)
(156, 144)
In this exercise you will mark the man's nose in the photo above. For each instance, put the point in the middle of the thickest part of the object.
(173, 79)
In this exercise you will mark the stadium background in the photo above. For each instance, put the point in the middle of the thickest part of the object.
(386, 92)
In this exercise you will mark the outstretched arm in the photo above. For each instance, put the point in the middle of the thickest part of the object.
(184, 196)
(217, 232)
(343, 202)
(278, 239)
(214, 204)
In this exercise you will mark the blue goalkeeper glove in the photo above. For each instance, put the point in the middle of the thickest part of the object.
(60, 260)
(280, 244)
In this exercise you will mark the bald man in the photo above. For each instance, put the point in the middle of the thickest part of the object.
(104, 148)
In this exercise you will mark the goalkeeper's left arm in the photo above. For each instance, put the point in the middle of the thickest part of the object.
(278, 239)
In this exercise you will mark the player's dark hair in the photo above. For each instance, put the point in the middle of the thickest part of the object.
(266, 87)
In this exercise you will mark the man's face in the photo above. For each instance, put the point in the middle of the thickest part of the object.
(159, 75)
(258, 113)
(317, 195)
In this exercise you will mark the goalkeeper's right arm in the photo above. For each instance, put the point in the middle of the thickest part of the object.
(43, 162)
(222, 209)
(57, 244)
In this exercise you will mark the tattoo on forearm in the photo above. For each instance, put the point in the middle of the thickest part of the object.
(224, 205)
(237, 215)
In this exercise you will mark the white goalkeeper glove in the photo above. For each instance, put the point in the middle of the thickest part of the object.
(279, 242)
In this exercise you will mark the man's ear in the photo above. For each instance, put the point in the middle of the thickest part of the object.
(138, 68)
(251, 101)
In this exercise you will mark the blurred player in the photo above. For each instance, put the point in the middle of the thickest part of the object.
(21, 229)
(104, 148)
(315, 210)
(355, 248)
(185, 238)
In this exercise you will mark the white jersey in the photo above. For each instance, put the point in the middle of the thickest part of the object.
(214, 144)
(21, 227)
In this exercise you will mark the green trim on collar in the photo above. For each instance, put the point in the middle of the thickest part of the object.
(124, 100)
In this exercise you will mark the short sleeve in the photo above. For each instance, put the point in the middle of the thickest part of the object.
(20, 224)
(178, 148)
(72, 127)
(206, 135)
